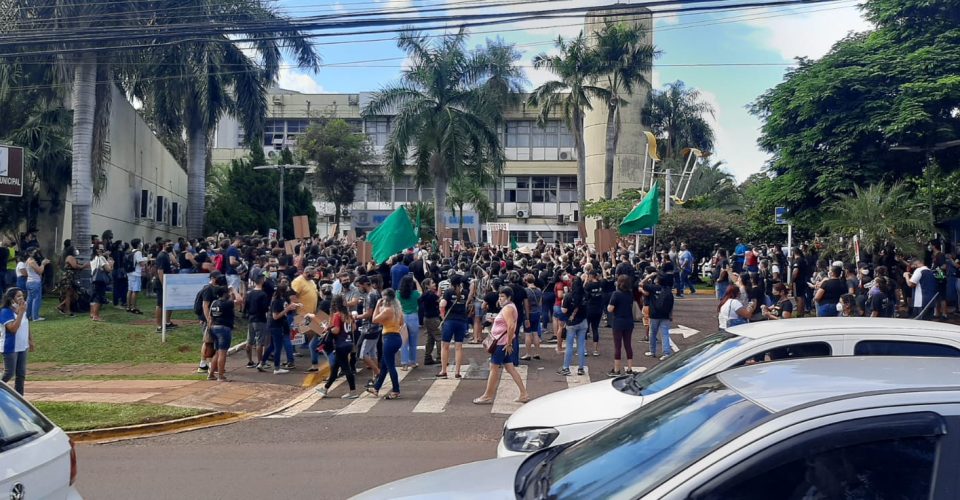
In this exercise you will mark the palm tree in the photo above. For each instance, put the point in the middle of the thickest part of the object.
(447, 104)
(714, 187)
(466, 190)
(677, 116)
(196, 81)
(571, 93)
(880, 214)
(621, 60)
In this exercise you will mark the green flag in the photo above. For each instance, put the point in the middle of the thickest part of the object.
(392, 236)
(645, 214)
(417, 229)
(513, 243)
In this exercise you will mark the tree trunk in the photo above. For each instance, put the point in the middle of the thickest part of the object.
(440, 195)
(81, 185)
(460, 229)
(580, 144)
(336, 215)
(197, 181)
(611, 152)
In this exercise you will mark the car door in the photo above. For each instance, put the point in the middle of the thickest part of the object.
(910, 455)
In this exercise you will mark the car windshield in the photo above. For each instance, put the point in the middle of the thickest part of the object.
(18, 421)
(638, 452)
(684, 362)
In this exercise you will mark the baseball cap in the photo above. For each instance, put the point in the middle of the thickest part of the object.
(215, 274)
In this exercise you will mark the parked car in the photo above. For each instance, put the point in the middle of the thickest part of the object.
(848, 427)
(37, 459)
(575, 413)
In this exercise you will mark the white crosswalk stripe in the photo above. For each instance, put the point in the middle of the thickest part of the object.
(366, 402)
(575, 380)
(507, 392)
(438, 395)
(307, 402)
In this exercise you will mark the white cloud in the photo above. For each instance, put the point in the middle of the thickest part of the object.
(537, 77)
(735, 132)
(807, 35)
(294, 80)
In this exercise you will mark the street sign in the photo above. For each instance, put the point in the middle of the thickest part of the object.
(646, 232)
(11, 171)
(779, 215)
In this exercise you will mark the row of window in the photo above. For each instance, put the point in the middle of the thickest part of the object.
(522, 189)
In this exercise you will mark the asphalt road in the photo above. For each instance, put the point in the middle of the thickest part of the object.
(333, 448)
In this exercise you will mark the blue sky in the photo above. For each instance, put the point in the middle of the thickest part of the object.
(769, 38)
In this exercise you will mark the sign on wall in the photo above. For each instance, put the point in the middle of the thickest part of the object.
(11, 171)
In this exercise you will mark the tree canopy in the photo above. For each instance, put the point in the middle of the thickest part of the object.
(874, 109)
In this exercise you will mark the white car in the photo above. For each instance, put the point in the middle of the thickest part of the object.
(830, 428)
(37, 459)
(575, 413)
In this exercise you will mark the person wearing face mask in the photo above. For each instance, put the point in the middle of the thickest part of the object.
(134, 261)
(68, 282)
(15, 337)
(101, 267)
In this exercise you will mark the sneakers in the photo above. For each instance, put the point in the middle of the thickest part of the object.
(525, 357)
(280, 371)
(40, 319)
(613, 373)
(564, 371)
(579, 371)
(202, 369)
(350, 395)
(260, 368)
(629, 371)
(322, 391)
(596, 353)
(650, 354)
(665, 356)
(251, 365)
(288, 366)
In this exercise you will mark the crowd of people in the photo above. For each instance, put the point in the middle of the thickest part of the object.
(315, 294)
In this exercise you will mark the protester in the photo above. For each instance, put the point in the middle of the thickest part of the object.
(279, 327)
(504, 333)
(574, 309)
(389, 314)
(657, 290)
(134, 262)
(621, 307)
(15, 337)
(430, 308)
(101, 272)
(256, 307)
(69, 285)
(35, 266)
(223, 316)
(409, 297)
(534, 333)
(341, 326)
(454, 327)
(731, 312)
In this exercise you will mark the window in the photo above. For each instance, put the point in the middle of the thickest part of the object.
(527, 135)
(665, 374)
(405, 190)
(806, 350)
(18, 422)
(568, 189)
(544, 189)
(378, 130)
(894, 468)
(903, 348)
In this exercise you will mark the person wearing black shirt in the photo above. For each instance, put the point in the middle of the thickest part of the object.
(256, 306)
(593, 290)
(164, 267)
(223, 317)
(574, 307)
(430, 305)
(783, 307)
(660, 302)
(829, 292)
(620, 308)
(279, 328)
(454, 305)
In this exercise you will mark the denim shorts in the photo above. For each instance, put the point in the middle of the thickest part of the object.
(558, 314)
(134, 283)
(257, 334)
(222, 336)
(368, 349)
(454, 330)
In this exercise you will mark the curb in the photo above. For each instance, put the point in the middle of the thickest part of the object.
(237, 348)
(309, 382)
(112, 434)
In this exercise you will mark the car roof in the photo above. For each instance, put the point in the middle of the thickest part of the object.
(762, 329)
(786, 384)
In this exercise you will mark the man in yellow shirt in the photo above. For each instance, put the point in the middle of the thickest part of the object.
(306, 289)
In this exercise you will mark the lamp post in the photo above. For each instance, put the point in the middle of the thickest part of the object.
(283, 169)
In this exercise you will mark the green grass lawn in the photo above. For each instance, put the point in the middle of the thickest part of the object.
(121, 338)
(87, 416)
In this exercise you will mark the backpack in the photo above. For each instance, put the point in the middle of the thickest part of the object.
(218, 262)
(198, 302)
(129, 263)
(660, 300)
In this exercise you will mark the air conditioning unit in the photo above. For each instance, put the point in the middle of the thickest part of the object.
(561, 219)
(272, 154)
(564, 155)
(277, 100)
(523, 214)
(159, 209)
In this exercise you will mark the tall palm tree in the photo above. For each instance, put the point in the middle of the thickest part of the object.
(677, 115)
(466, 190)
(446, 112)
(621, 60)
(570, 93)
(880, 214)
(196, 81)
(713, 186)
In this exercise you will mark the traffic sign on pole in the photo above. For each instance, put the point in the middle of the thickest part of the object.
(779, 215)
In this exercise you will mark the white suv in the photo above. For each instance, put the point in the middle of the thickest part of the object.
(575, 413)
(37, 459)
